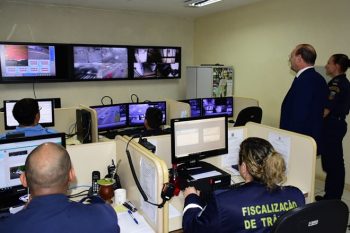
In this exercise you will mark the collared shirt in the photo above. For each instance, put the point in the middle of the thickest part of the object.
(302, 70)
(30, 131)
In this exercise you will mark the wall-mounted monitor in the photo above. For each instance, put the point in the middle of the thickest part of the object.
(13, 154)
(97, 62)
(217, 106)
(46, 108)
(196, 106)
(193, 139)
(156, 62)
(137, 112)
(33, 62)
(110, 117)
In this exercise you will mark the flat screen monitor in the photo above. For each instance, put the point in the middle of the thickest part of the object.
(110, 117)
(46, 108)
(92, 62)
(193, 139)
(217, 106)
(33, 62)
(13, 154)
(196, 106)
(137, 112)
(157, 62)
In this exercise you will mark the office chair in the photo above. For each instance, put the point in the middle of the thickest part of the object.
(253, 113)
(322, 217)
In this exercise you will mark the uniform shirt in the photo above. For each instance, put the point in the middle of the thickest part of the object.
(30, 131)
(56, 214)
(339, 96)
(249, 208)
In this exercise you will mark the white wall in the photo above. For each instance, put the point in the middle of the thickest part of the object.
(258, 39)
(39, 23)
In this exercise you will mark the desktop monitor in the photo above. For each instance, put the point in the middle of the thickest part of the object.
(137, 112)
(193, 139)
(196, 106)
(217, 106)
(13, 154)
(110, 117)
(46, 108)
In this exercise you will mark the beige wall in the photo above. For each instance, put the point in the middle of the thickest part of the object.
(257, 40)
(20, 22)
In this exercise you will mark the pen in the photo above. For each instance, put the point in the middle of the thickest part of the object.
(133, 217)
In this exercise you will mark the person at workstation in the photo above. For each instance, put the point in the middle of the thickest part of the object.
(255, 205)
(335, 126)
(302, 107)
(27, 113)
(153, 122)
(48, 172)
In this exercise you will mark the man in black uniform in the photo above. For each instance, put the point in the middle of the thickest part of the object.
(335, 126)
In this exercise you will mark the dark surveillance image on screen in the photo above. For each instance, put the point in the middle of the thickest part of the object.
(111, 117)
(156, 62)
(196, 106)
(137, 112)
(217, 106)
(27, 60)
(100, 62)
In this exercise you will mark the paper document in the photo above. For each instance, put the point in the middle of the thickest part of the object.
(205, 175)
(128, 225)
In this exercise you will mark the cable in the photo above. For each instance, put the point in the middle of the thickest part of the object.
(106, 96)
(143, 194)
(34, 89)
(132, 100)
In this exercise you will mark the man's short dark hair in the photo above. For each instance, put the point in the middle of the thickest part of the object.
(154, 117)
(25, 111)
(307, 52)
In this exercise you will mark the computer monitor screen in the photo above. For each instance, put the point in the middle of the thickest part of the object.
(137, 112)
(46, 108)
(217, 106)
(193, 139)
(111, 117)
(157, 62)
(196, 106)
(100, 62)
(13, 154)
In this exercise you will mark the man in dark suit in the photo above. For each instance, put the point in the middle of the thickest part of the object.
(302, 108)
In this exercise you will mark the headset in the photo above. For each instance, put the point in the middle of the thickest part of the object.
(168, 188)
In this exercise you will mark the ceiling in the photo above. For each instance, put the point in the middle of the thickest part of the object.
(166, 7)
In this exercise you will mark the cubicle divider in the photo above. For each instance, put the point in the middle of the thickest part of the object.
(176, 109)
(93, 123)
(152, 173)
(240, 103)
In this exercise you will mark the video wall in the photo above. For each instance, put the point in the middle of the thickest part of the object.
(43, 62)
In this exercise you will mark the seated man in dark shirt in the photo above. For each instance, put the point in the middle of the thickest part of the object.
(27, 113)
(153, 122)
(48, 172)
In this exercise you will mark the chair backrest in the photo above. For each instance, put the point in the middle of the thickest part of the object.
(323, 216)
(253, 113)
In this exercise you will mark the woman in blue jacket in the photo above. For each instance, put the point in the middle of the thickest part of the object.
(252, 207)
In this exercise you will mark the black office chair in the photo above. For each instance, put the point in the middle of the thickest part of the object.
(253, 113)
(328, 216)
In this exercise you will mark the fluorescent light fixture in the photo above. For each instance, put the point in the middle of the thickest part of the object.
(200, 3)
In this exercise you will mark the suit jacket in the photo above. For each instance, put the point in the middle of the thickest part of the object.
(56, 214)
(302, 108)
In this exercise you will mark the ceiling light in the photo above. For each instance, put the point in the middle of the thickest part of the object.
(200, 3)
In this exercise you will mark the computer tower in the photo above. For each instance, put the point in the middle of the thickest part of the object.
(83, 126)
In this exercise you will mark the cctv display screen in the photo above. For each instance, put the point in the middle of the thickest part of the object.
(13, 154)
(217, 106)
(196, 106)
(46, 108)
(157, 62)
(111, 117)
(100, 62)
(197, 138)
(137, 112)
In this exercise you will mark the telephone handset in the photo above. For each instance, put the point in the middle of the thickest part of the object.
(95, 177)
